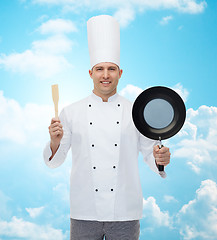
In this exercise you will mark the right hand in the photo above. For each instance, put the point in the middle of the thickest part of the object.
(56, 132)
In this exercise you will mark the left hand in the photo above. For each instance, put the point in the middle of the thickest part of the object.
(162, 156)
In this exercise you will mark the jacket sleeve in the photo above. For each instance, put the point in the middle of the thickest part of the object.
(65, 144)
(146, 148)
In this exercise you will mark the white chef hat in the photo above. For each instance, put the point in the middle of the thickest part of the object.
(103, 40)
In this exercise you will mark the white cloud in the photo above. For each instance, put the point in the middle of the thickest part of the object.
(130, 92)
(42, 65)
(198, 218)
(152, 214)
(188, 6)
(196, 141)
(18, 228)
(169, 199)
(129, 7)
(125, 16)
(46, 58)
(183, 92)
(57, 26)
(35, 212)
(166, 20)
(57, 44)
(23, 124)
(195, 220)
(192, 7)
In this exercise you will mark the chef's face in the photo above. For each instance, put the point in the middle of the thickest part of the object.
(105, 79)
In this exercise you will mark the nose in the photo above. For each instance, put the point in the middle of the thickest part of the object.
(105, 74)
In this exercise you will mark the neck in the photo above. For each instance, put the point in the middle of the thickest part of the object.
(104, 96)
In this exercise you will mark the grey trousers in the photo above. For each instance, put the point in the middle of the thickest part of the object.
(94, 230)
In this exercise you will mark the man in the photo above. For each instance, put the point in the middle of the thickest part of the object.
(105, 192)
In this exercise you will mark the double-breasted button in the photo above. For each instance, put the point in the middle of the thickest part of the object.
(119, 104)
(89, 105)
(91, 123)
(112, 190)
(96, 190)
(92, 145)
(114, 167)
(94, 167)
(116, 144)
(117, 122)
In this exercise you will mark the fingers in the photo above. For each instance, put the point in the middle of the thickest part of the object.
(160, 150)
(162, 156)
(53, 120)
(55, 131)
(156, 149)
(55, 128)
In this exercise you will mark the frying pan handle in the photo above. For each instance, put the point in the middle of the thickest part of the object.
(160, 167)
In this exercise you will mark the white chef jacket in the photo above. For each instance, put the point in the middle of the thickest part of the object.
(105, 183)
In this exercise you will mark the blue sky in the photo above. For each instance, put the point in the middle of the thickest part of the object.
(164, 42)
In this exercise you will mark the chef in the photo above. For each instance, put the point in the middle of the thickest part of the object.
(105, 192)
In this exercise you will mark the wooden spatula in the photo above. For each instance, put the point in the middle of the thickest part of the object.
(55, 96)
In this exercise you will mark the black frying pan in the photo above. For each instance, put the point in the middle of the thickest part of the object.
(159, 113)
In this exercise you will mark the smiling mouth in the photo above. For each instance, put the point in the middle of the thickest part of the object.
(105, 82)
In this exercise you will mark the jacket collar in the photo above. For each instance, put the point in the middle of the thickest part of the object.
(99, 99)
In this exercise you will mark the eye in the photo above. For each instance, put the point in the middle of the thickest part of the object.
(112, 69)
(99, 69)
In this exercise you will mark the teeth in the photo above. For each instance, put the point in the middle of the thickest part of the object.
(105, 82)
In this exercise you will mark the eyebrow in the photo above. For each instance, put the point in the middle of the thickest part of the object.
(112, 67)
(106, 67)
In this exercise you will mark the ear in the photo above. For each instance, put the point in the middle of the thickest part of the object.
(120, 73)
(90, 73)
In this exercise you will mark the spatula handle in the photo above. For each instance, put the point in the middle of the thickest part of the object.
(56, 110)
(55, 96)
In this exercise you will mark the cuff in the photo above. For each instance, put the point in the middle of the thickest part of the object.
(56, 160)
